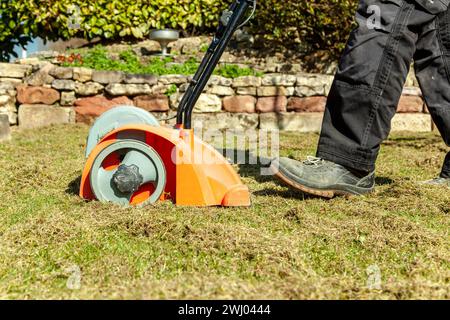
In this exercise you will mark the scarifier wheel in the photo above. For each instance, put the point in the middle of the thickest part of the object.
(128, 172)
(115, 118)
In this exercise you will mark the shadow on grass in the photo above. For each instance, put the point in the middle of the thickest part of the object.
(254, 171)
(286, 193)
(290, 193)
(145, 52)
(255, 167)
(248, 164)
(383, 181)
(74, 186)
(414, 142)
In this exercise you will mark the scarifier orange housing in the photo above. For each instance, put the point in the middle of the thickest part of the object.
(190, 181)
(132, 160)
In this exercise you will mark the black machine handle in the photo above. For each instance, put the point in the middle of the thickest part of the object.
(230, 21)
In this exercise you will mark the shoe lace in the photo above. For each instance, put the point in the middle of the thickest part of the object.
(313, 161)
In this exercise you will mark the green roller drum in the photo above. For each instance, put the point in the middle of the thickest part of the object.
(115, 118)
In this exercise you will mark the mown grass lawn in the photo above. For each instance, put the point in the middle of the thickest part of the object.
(286, 246)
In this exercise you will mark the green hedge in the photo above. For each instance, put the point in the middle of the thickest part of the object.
(14, 27)
(107, 19)
(98, 58)
(323, 23)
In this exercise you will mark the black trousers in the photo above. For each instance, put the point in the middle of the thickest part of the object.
(371, 75)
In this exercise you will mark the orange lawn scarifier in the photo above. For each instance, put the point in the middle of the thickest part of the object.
(131, 160)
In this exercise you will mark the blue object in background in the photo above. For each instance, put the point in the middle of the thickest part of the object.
(36, 45)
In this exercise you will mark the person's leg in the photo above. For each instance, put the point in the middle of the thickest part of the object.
(362, 101)
(369, 83)
(445, 173)
(432, 65)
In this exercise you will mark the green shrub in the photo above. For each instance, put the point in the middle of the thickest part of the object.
(323, 24)
(107, 19)
(172, 89)
(15, 27)
(98, 58)
(234, 71)
(120, 18)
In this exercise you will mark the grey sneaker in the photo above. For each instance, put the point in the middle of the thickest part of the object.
(438, 182)
(321, 178)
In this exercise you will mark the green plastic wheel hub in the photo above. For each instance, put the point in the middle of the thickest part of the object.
(139, 164)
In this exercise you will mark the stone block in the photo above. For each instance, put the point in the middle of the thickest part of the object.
(117, 89)
(12, 70)
(88, 109)
(286, 80)
(271, 104)
(410, 104)
(5, 131)
(141, 79)
(417, 122)
(220, 90)
(61, 72)
(33, 116)
(107, 77)
(88, 88)
(68, 98)
(152, 103)
(246, 81)
(291, 121)
(37, 95)
(240, 104)
(82, 74)
(308, 104)
(61, 84)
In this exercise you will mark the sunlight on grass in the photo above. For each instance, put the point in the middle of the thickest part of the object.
(287, 245)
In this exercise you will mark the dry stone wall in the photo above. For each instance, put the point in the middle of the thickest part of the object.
(34, 93)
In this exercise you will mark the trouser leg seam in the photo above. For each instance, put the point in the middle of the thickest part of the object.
(384, 68)
(441, 26)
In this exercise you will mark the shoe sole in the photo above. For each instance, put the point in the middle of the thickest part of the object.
(324, 193)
